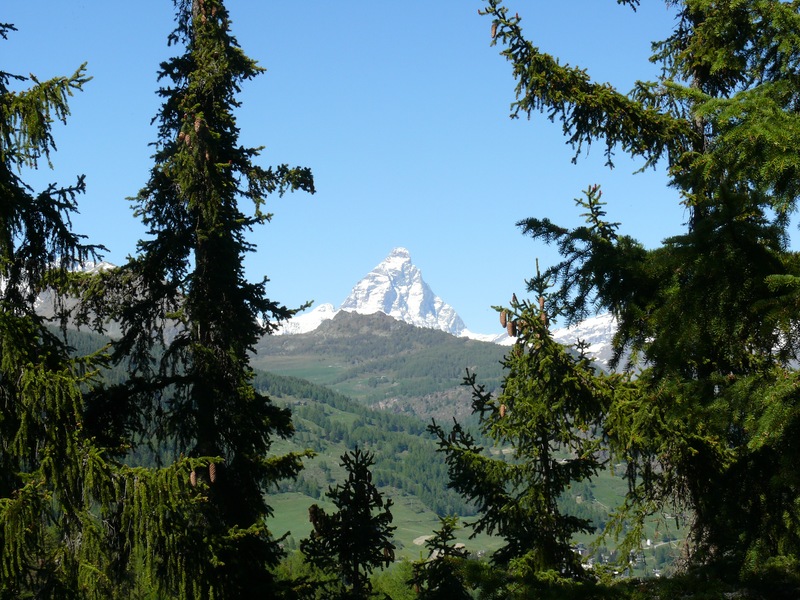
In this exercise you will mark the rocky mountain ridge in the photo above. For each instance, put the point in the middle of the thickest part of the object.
(395, 287)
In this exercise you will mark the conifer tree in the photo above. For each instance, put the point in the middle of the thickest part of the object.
(351, 542)
(52, 475)
(190, 319)
(710, 318)
(441, 575)
(548, 416)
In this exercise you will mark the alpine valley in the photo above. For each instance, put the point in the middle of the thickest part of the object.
(394, 345)
(374, 373)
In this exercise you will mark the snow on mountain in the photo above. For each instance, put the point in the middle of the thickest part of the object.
(309, 321)
(45, 303)
(503, 339)
(596, 331)
(395, 287)
(90, 266)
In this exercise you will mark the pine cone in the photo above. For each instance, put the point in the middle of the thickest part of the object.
(193, 478)
(502, 410)
(542, 313)
(503, 319)
(511, 328)
(212, 472)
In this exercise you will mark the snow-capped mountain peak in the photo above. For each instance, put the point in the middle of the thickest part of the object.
(396, 287)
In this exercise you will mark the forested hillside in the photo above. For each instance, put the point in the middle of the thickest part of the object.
(330, 423)
(385, 363)
(408, 468)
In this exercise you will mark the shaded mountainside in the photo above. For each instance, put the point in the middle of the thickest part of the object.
(381, 361)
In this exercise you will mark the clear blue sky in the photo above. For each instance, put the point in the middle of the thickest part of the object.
(401, 109)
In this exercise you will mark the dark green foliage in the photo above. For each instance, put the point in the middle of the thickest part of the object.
(189, 321)
(548, 416)
(282, 385)
(393, 582)
(441, 575)
(405, 455)
(351, 542)
(74, 521)
(710, 317)
(52, 474)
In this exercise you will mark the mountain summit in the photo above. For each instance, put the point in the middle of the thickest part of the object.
(395, 287)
